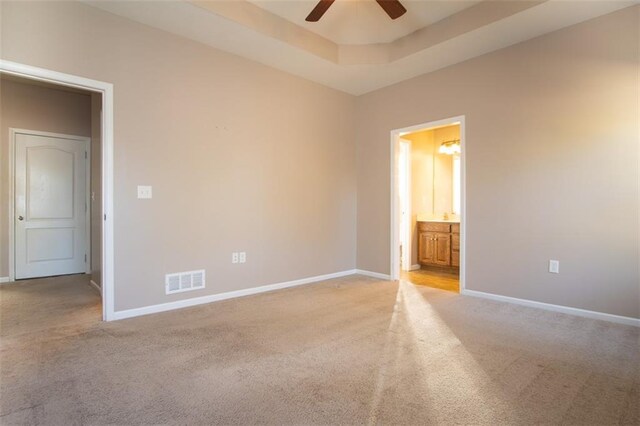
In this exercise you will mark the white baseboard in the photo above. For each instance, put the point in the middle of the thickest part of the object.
(555, 308)
(130, 313)
(415, 267)
(4, 280)
(96, 286)
(373, 274)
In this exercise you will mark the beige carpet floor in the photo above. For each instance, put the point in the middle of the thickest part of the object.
(346, 351)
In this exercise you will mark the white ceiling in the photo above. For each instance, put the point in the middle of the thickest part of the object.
(364, 21)
(244, 29)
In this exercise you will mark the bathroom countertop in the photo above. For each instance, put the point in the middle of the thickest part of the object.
(422, 219)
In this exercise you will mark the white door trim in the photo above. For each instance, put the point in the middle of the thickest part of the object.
(12, 162)
(106, 89)
(394, 222)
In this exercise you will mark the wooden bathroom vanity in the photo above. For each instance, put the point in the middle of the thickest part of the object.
(439, 244)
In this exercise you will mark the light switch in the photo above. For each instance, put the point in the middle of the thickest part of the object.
(554, 266)
(144, 191)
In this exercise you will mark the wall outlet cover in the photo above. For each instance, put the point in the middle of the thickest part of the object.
(144, 192)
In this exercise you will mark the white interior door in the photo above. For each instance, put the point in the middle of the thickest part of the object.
(50, 207)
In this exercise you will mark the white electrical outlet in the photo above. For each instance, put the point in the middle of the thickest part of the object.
(554, 266)
(234, 257)
(144, 192)
(243, 257)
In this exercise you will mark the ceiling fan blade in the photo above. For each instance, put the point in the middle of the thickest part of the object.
(319, 10)
(393, 8)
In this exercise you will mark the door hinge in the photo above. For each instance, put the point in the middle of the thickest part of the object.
(85, 258)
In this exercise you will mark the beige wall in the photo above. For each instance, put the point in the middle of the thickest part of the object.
(552, 136)
(27, 106)
(241, 157)
(245, 157)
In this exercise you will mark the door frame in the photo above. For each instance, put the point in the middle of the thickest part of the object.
(394, 224)
(12, 196)
(407, 229)
(106, 128)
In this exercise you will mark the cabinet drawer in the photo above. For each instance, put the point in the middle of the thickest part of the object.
(455, 228)
(455, 242)
(434, 227)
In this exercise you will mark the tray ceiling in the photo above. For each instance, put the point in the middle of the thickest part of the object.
(365, 53)
(364, 21)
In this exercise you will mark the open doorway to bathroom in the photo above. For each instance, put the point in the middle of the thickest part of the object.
(427, 204)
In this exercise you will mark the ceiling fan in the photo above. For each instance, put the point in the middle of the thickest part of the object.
(393, 8)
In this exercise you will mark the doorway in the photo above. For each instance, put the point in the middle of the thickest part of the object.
(102, 94)
(432, 252)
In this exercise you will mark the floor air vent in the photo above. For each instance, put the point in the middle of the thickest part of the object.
(184, 281)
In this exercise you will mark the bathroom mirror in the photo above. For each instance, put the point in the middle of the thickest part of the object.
(435, 175)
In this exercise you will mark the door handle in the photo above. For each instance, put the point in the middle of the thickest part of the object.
(20, 218)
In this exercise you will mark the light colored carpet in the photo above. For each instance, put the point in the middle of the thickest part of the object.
(346, 351)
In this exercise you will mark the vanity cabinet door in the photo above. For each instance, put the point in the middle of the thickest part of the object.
(442, 249)
(426, 247)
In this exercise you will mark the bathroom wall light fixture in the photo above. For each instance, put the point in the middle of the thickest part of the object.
(451, 147)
